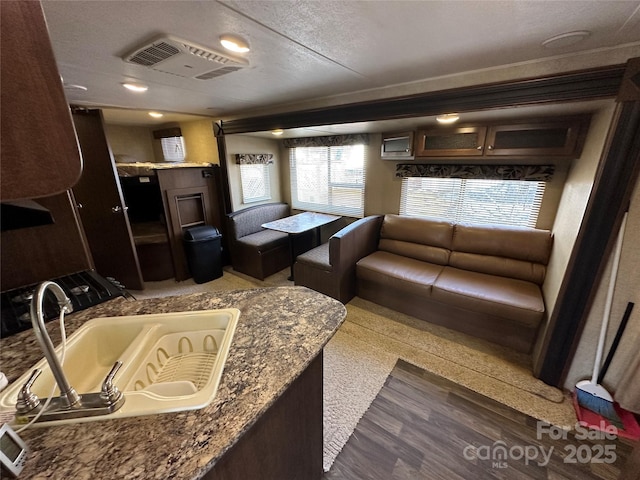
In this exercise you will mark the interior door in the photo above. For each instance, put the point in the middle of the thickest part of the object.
(101, 204)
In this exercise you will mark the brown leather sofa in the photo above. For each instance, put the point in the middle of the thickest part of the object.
(260, 252)
(481, 280)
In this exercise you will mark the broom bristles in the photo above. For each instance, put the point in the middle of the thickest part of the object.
(598, 405)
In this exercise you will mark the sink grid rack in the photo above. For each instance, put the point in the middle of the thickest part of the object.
(178, 364)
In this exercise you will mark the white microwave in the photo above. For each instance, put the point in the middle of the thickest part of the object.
(397, 146)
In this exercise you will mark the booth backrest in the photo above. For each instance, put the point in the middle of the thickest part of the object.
(514, 252)
(249, 220)
(415, 237)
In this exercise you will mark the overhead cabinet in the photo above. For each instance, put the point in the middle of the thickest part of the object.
(563, 138)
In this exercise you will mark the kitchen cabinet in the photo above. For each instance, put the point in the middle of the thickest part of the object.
(266, 419)
(559, 138)
(397, 146)
(451, 142)
(40, 155)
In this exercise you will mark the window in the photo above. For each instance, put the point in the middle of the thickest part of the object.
(256, 184)
(173, 149)
(503, 202)
(328, 179)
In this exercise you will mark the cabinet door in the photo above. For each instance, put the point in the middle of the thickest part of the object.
(454, 142)
(554, 138)
(40, 155)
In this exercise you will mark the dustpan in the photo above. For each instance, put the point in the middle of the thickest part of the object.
(630, 428)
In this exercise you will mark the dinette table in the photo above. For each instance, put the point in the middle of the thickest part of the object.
(297, 224)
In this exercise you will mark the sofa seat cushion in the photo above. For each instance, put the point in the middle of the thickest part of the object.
(508, 298)
(398, 272)
(317, 257)
(264, 240)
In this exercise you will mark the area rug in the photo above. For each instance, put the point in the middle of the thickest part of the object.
(364, 350)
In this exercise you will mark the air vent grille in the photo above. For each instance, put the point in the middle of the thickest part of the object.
(173, 56)
(153, 54)
(211, 56)
(217, 73)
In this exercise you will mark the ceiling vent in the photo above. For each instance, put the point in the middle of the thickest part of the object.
(183, 59)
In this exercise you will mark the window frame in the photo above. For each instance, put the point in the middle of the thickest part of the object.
(332, 184)
(266, 178)
(164, 141)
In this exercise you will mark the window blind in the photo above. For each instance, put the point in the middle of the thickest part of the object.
(256, 183)
(173, 149)
(328, 179)
(502, 202)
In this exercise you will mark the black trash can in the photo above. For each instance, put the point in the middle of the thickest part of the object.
(204, 252)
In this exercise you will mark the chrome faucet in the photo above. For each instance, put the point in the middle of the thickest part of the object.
(68, 396)
(69, 404)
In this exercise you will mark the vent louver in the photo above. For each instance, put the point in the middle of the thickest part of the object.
(181, 58)
(153, 54)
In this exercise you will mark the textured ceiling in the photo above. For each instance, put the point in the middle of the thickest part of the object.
(302, 50)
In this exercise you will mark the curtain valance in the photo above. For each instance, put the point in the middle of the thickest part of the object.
(538, 173)
(167, 133)
(329, 141)
(254, 158)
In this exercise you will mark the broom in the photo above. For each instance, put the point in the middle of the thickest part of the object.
(590, 394)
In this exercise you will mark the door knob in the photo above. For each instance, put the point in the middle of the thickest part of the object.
(118, 209)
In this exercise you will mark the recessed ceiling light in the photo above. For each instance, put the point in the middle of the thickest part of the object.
(566, 39)
(447, 118)
(156, 114)
(234, 43)
(135, 87)
(277, 132)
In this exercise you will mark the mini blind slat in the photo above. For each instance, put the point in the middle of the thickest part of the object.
(328, 179)
(255, 182)
(173, 149)
(502, 202)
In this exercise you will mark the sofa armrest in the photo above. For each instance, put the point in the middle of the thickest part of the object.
(354, 242)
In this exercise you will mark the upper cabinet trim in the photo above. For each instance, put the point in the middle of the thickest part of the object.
(602, 82)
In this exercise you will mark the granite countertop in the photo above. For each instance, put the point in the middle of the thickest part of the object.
(280, 331)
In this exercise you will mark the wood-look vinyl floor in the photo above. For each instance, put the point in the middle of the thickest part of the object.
(422, 426)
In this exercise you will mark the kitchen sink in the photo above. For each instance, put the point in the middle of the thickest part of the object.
(170, 362)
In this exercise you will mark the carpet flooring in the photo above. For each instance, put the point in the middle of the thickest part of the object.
(372, 339)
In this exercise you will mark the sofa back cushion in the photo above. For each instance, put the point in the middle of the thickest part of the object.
(416, 237)
(516, 252)
(249, 220)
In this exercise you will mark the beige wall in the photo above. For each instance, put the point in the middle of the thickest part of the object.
(199, 141)
(573, 203)
(134, 142)
(249, 144)
(138, 142)
(623, 377)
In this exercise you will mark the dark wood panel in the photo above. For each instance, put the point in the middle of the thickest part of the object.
(420, 425)
(190, 195)
(36, 254)
(103, 210)
(602, 82)
(286, 442)
(40, 155)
